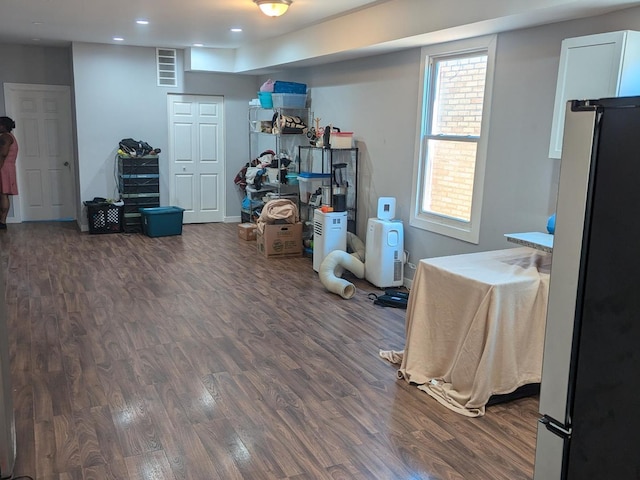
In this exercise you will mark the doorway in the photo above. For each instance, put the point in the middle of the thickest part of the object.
(45, 166)
(197, 156)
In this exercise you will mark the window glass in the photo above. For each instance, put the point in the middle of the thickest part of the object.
(451, 147)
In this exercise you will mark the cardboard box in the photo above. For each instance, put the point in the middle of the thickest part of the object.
(247, 231)
(280, 241)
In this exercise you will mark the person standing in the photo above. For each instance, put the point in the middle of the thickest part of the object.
(8, 155)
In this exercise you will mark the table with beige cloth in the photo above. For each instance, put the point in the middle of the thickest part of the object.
(475, 326)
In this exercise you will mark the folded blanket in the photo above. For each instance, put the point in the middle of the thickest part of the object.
(277, 209)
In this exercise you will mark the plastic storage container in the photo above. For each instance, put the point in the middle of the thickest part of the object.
(162, 221)
(266, 100)
(341, 140)
(309, 183)
(289, 100)
(289, 87)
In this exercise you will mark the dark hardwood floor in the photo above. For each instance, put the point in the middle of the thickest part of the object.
(193, 357)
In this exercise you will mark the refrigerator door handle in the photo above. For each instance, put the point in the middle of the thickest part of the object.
(554, 427)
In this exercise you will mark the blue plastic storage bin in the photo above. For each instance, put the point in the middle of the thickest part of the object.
(289, 87)
(265, 99)
(162, 221)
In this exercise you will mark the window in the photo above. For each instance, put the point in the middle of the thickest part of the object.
(451, 141)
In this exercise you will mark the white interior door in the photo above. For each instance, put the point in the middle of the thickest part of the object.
(45, 157)
(196, 156)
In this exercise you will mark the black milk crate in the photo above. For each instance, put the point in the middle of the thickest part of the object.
(138, 165)
(104, 217)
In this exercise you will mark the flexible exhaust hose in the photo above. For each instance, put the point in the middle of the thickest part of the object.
(356, 245)
(335, 259)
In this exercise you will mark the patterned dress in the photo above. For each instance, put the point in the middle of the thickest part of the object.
(8, 180)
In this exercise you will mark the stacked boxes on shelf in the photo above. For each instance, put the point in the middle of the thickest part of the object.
(139, 185)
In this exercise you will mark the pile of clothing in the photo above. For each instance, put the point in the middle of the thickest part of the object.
(254, 172)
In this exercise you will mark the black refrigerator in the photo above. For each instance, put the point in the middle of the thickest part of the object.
(590, 391)
(7, 422)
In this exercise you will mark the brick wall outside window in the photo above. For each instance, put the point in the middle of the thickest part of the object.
(457, 111)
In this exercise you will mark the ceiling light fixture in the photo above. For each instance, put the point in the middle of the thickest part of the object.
(273, 8)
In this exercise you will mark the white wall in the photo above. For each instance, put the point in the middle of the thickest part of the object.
(377, 98)
(117, 97)
(37, 65)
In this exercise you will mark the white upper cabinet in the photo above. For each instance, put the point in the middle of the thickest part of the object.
(591, 67)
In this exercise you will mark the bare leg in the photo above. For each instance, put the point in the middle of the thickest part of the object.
(5, 204)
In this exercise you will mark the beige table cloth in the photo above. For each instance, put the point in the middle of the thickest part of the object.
(475, 326)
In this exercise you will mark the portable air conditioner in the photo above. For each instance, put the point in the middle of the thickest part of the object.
(329, 234)
(384, 253)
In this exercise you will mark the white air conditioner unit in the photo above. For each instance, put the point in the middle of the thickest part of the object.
(384, 253)
(329, 234)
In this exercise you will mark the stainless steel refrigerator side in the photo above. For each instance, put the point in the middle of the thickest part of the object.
(563, 286)
(7, 421)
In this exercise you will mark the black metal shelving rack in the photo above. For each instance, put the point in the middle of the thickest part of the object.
(318, 160)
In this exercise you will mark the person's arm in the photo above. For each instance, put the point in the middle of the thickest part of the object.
(5, 143)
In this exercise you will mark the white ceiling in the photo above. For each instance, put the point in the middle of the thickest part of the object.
(173, 23)
(320, 30)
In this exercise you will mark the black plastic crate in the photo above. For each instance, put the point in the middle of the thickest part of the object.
(132, 220)
(135, 208)
(138, 165)
(139, 184)
(142, 200)
(133, 225)
(104, 217)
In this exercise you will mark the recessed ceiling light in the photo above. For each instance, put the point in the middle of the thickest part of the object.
(198, 44)
(236, 29)
(118, 39)
(36, 23)
(142, 22)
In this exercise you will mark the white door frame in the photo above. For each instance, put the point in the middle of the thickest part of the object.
(9, 97)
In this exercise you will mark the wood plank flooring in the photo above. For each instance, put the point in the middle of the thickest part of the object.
(193, 357)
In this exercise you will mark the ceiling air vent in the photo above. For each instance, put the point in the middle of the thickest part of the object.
(166, 58)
